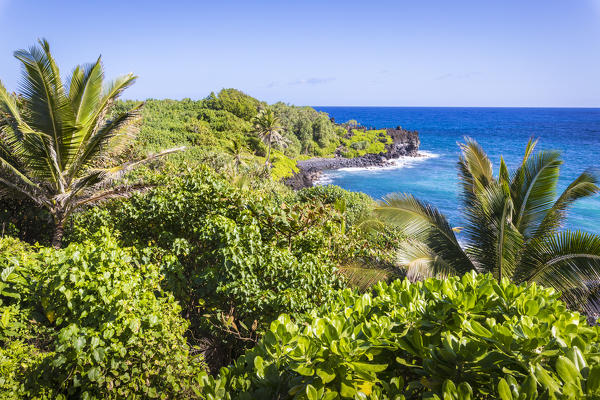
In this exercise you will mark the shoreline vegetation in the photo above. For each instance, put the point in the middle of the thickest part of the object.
(153, 250)
(403, 144)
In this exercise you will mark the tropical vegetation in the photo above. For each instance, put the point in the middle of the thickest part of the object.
(459, 338)
(53, 136)
(513, 226)
(200, 275)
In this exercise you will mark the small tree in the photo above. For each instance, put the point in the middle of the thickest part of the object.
(513, 226)
(52, 136)
(236, 150)
(268, 128)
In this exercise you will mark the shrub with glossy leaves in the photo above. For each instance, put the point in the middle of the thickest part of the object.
(459, 338)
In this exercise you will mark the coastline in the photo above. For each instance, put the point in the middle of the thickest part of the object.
(404, 144)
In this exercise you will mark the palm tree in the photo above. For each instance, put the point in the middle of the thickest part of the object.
(236, 150)
(513, 226)
(268, 128)
(53, 134)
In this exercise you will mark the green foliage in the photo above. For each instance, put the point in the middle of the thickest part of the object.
(17, 360)
(460, 338)
(108, 330)
(235, 102)
(54, 135)
(315, 133)
(228, 254)
(363, 142)
(357, 205)
(283, 167)
(18, 267)
(513, 226)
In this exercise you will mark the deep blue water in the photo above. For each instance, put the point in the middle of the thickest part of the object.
(501, 131)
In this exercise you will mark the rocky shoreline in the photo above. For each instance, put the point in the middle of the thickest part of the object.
(404, 143)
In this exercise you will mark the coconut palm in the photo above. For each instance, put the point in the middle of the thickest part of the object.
(236, 150)
(513, 226)
(53, 134)
(268, 128)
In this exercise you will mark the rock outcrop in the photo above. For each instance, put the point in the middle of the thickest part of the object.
(404, 143)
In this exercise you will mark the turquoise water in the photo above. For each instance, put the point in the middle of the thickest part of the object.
(575, 132)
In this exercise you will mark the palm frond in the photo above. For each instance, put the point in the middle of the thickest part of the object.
(119, 192)
(97, 143)
(97, 130)
(421, 221)
(474, 170)
(47, 103)
(567, 261)
(583, 186)
(492, 239)
(114, 173)
(420, 262)
(533, 190)
(85, 88)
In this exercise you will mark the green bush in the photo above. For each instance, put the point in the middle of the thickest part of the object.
(283, 167)
(362, 142)
(25, 220)
(458, 338)
(235, 102)
(106, 328)
(357, 205)
(228, 254)
(17, 361)
(19, 269)
(19, 326)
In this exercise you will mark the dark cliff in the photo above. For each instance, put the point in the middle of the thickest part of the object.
(404, 143)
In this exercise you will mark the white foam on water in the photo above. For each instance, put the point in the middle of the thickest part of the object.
(327, 177)
(323, 180)
(396, 163)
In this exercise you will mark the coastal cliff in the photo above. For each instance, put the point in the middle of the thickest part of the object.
(404, 143)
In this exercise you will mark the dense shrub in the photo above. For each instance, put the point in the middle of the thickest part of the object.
(19, 269)
(23, 340)
(357, 205)
(108, 330)
(23, 219)
(235, 102)
(314, 131)
(458, 338)
(364, 141)
(228, 254)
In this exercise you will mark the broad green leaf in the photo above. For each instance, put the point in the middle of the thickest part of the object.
(504, 390)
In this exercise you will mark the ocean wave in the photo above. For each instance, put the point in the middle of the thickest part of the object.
(327, 177)
(396, 163)
(323, 180)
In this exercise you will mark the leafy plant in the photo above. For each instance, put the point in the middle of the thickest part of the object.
(117, 334)
(513, 226)
(52, 135)
(268, 128)
(460, 338)
(233, 258)
(362, 141)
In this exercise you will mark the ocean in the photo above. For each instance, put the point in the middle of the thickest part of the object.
(501, 131)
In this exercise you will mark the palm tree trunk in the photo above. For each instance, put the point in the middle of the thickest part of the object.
(268, 156)
(59, 230)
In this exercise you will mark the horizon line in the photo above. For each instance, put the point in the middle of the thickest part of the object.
(380, 106)
(529, 107)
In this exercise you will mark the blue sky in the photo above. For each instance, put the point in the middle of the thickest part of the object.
(386, 53)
